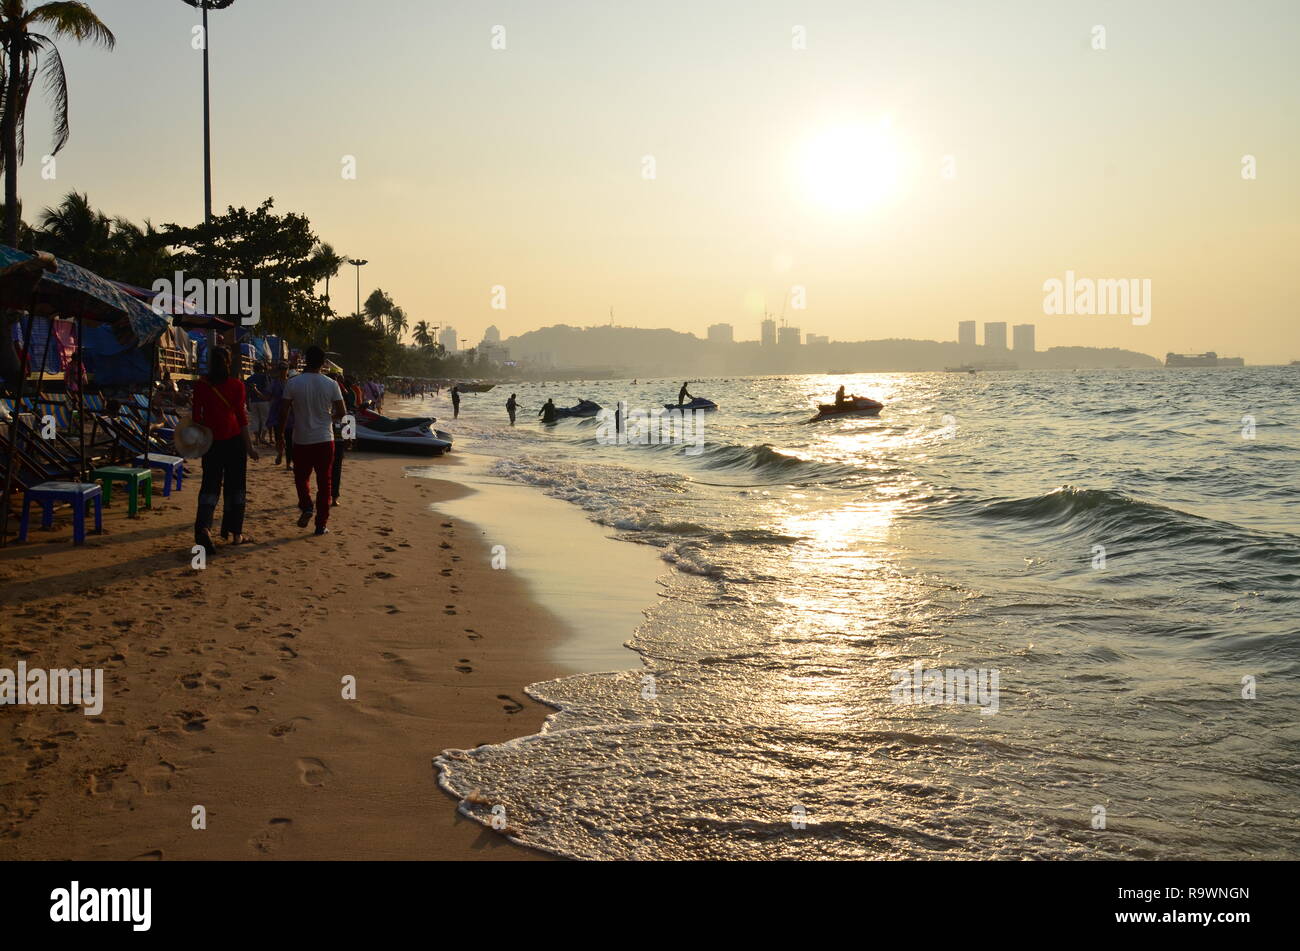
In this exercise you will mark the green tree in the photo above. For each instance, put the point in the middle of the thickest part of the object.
(29, 54)
(276, 250)
(361, 347)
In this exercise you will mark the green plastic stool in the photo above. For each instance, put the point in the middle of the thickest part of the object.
(138, 482)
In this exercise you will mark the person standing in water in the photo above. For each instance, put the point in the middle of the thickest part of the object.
(512, 407)
(547, 412)
(219, 405)
(316, 403)
(683, 395)
(455, 402)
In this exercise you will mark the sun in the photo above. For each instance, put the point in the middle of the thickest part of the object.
(850, 168)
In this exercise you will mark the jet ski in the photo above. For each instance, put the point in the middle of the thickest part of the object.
(856, 406)
(410, 434)
(698, 403)
(584, 409)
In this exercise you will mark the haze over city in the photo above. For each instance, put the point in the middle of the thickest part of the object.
(775, 167)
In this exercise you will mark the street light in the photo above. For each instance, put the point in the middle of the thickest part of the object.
(205, 6)
(358, 264)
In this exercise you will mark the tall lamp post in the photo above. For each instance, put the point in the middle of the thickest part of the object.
(358, 264)
(205, 6)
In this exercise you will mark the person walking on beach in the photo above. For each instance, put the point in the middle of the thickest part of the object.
(274, 393)
(455, 402)
(259, 403)
(316, 403)
(219, 405)
(512, 407)
(340, 445)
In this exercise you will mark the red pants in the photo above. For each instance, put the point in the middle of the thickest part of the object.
(319, 457)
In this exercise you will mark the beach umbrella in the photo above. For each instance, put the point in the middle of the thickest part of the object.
(43, 284)
(183, 312)
(69, 290)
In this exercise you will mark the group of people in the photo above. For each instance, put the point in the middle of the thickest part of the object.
(303, 414)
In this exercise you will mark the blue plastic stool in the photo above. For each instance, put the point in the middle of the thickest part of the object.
(74, 493)
(173, 468)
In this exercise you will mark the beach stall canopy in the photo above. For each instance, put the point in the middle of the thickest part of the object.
(72, 291)
(182, 312)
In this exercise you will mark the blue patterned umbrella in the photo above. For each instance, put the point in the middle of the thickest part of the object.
(72, 291)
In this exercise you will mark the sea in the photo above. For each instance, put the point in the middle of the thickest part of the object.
(1018, 615)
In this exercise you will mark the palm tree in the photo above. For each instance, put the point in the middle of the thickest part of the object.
(328, 263)
(23, 52)
(397, 322)
(377, 308)
(423, 334)
(140, 255)
(75, 231)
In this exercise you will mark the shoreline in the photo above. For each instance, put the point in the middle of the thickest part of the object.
(224, 686)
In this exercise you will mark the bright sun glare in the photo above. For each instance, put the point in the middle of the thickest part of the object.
(850, 168)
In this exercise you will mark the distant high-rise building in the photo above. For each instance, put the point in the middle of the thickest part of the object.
(492, 335)
(769, 332)
(1023, 336)
(966, 333)
(448, 339)
(995, 335)
(788, 337)
(722, 333)
(813, 340)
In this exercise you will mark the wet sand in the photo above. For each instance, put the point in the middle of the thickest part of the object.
(225, 686)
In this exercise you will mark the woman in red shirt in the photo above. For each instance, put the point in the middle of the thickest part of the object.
(219, 404)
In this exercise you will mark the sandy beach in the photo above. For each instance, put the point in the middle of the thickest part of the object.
(224, 687)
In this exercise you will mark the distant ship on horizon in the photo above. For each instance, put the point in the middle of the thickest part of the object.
(1207, 359)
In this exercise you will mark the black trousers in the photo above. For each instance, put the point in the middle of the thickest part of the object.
(337, 478)
(225, 475)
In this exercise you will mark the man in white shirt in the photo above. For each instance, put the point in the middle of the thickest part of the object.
(317, 402)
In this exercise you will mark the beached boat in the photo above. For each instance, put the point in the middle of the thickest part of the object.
(475, 387)
(406, 435)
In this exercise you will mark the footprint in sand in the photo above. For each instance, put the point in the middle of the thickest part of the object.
(312, 771)
(152, 856)
(446, 572)
(511, 705)
(193, 721)
(451, 609)
(473, 634)
(464, 666)
(158, 779)
(272, 837)
(288, 726)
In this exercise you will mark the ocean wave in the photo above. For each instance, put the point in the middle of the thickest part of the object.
(767, 460)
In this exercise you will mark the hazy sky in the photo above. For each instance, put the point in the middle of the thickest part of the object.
(774, 166)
